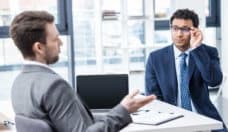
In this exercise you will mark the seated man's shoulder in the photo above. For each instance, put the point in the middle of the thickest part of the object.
(160, 51)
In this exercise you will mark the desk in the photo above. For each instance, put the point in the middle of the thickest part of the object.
(4, 128)
(191, 122)
(6, 113)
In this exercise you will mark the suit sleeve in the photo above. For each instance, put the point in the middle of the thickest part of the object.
(68, 114)
(207, 62)
(152, 86)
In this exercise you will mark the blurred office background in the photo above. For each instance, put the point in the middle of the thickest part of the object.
(110, 37)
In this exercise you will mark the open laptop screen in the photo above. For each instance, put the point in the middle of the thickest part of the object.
(102, 91)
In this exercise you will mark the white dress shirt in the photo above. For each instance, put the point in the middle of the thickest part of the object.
(29, 62)
(177, 56)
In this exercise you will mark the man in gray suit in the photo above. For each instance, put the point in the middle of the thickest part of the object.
(38, 92)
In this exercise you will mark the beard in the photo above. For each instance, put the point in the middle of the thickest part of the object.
(52, 60)
(51, 57)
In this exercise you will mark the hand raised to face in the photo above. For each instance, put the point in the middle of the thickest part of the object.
(196, 37)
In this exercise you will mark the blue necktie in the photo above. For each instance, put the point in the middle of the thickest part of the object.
(184, 89)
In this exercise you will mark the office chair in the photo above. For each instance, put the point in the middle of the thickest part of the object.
(217, 101)
(25, 124)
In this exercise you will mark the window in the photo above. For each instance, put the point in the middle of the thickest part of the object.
(10, 8)
(112, 38)
(163, 10)
(213, 13)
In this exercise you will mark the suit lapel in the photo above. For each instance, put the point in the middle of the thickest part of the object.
(171, 73)
(191, 67)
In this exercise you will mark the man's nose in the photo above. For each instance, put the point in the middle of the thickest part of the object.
(179, 32)
(60, 42)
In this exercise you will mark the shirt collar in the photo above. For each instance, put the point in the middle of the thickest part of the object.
(177, 52)
(29, 62)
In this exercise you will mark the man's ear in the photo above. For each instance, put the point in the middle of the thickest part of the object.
(38, 48)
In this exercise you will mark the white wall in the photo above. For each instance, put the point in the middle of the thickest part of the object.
(224, 35)
(224, 55)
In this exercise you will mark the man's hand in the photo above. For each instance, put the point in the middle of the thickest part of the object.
(132, 103)
(196, 37)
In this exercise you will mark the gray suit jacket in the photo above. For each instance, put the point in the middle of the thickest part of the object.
(38, 92)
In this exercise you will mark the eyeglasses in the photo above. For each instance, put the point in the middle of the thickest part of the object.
(175, 29)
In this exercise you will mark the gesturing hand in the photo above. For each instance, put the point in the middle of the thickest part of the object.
(133, 103)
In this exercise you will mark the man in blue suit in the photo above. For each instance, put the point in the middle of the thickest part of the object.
(164, 70)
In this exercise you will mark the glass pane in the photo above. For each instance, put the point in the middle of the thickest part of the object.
(136, 38)
(111, 42)
(210, 36)
(207, 7)
(112, 5)
(111, 34)
(113, 61)
(9, 58)
(112, 56)
(137, 59)
(9, 8)
(135, 7)
(162, 9)
(136, 33)
(84, 36)
(162, 37)
(7, 76)
(84, 43)
(83, 5)
(110, 9)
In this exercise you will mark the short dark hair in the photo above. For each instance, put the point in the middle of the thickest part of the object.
(29, 27)
(186, 14)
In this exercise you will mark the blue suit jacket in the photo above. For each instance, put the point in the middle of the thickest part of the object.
(204, 71)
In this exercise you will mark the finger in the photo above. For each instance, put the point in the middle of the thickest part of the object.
(133, 93)
(192, 28)
(192, 32)
(146, 99)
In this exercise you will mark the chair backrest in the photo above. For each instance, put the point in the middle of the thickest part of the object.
(219, 97)
(221, 87)
(25, 124)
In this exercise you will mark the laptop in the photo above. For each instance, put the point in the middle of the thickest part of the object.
(102, 92)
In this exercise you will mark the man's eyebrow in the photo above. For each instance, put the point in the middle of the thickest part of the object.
(186, 27)
(180, 26)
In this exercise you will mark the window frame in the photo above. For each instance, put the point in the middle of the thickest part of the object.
(214, 19)
(211, 21)
(62, 25)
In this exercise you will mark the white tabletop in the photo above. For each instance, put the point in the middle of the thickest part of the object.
(189, 123)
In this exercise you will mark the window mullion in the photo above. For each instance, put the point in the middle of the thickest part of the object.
(98, 36)
(149, 25)
(124, 36)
